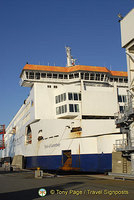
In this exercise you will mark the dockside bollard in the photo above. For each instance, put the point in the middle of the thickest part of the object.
(38, 173)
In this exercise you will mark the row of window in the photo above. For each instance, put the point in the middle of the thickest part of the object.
(82, 75)
(73, 108)
(74, 96)
(63, 109)
(60, 98)
(49, 86)
(122, 98)
(71, 96)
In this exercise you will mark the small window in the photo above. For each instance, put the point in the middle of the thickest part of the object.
(82, 75)
(65, 108)
(92, 76)
(37, 75)
(111, 79)
(120, 80)
(55, 86)
(49, 75)
(119, 98)
(70, 96)
(75, 96)
(76, 107)
(60, 76)
(76, 75)
(121, 109)
(61, 97)
(71, 108)
(64, 96)
(31, 75)
(125, 80)
(102, 77)
(27, 75)
(57, 111)
(43, 75)
(106, 78)
(65, 76)
(86, 76)
(116, 79)
(48, 86)
(98, 77)
(54, 75)
(124, 98)
(56, 99)
(62, 109)
(71, 76)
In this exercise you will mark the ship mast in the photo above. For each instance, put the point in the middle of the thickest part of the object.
(70, 60)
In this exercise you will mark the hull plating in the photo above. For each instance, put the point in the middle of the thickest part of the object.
(86, 162)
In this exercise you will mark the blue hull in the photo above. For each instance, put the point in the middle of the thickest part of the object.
(87, 162)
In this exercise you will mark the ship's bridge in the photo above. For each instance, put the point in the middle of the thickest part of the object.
(54, 74)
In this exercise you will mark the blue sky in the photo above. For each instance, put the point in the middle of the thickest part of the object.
(37, 31)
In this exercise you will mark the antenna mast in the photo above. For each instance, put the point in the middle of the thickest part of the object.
(69, 59)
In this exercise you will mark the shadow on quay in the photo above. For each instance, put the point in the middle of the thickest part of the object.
(33, 193)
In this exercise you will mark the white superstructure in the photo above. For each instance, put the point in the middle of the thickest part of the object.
(67, 121)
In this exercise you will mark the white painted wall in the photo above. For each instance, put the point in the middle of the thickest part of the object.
(127, 28)
(44, 101)
(100, 101)
(98, 127)
(105, 143)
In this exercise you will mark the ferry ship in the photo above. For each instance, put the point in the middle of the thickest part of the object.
(67, 121)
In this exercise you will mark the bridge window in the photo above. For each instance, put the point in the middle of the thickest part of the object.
(120, 80)
(54, 75)
(31, 75)
(76, 75)
(49, 75)
(43, 75)
(82, 75)
(37, 75)
(125, 80)
(98, 77)
(60, 76)
(102, 77)
(27, 75)
(71, 76)
(92, 76)
(116, 79)
(86, 76)
(65, 76)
